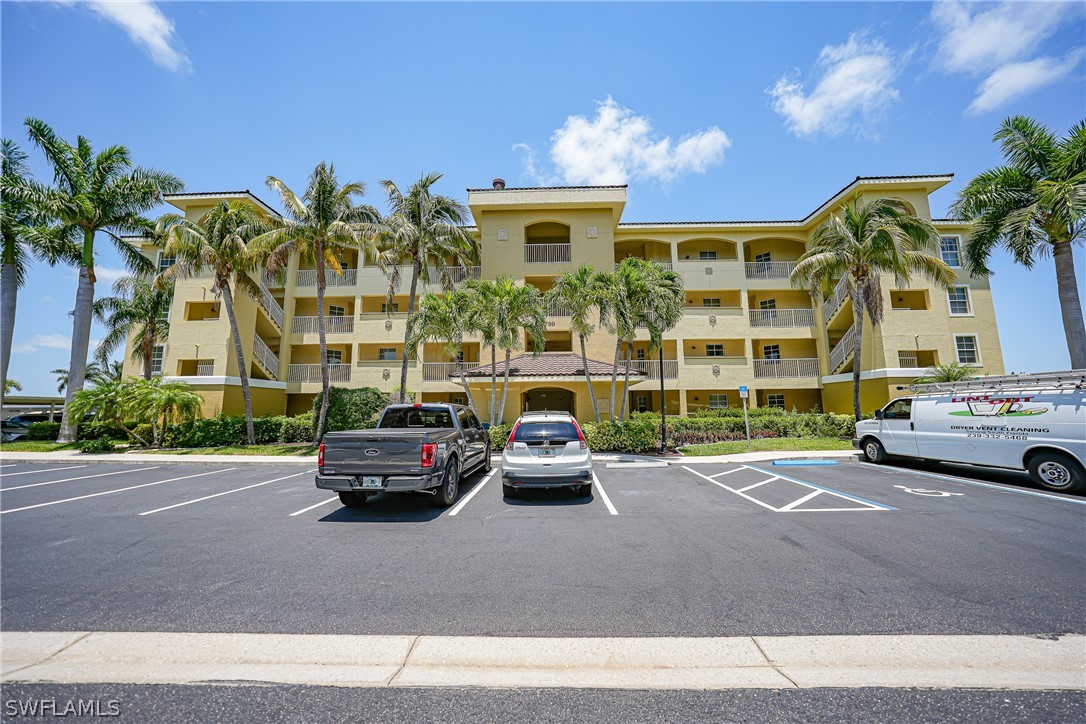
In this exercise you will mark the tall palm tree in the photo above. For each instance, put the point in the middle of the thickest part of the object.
(139, 308)
(657, 305)
(219, 243)
(860, 243)
(321, 225)
(23, 236)
(517, 309)
(12, 385)
(427, 232)
(620, 294)
(578, 294)
(480, 317)
(93, 193)
(1033, 205)
(95, 372)
(442, 319)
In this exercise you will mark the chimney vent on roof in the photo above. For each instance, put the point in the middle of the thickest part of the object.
(499, 184)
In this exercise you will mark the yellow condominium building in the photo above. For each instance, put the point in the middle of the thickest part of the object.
(745, 325)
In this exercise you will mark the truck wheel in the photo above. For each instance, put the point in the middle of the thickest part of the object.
(450, 485)
(874, 452)
(352, 499)
(1056, 471)
(486, 460)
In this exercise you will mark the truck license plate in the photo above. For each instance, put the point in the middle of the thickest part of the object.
(371, 481)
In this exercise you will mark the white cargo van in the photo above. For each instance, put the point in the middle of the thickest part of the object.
(1024, 422)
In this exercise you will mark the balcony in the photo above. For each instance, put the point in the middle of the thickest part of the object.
(778, 368)
(781, 317)
(267, 359)
(547, 253)
(651, 368)
(312, 373)
(308, 278)
(457, 274)
(275, 312)
(769, 269)
(842, 350)
(332, 325)
(831, 305)
(441, 371)
(205, 369)
(273, 280)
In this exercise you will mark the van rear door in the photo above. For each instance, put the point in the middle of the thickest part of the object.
(897, 429)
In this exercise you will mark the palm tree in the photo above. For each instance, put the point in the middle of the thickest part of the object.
(953, 372)
(860, 243)
(23, 236)
(480, 317)
(12, 385)
(620, 293)
(140, 308)
(577, 294)
(163, 403)
(657, 307)
(517, 309)
(321, 225)
(442, 319)
(112, 400)
(94, 193)
(426, 232)
(219, 243)
(1033, 205)
(94, 373)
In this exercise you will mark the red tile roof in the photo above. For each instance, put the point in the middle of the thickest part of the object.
(550, 364)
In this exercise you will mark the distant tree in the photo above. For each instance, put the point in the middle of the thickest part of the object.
(442, 319)
(953, 372)
(577, 294)
(11, 385)
(138, 308)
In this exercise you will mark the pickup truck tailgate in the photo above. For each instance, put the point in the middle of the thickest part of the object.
(374, 452)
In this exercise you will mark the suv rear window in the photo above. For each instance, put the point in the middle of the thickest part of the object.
(416, 417)
(535, 433)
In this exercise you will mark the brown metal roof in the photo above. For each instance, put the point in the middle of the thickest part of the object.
(549, 364)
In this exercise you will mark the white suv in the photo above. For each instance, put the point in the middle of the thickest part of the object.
(546, 450)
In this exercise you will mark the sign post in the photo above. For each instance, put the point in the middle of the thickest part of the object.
(746, 420)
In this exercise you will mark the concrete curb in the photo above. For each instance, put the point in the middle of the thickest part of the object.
(779, 662)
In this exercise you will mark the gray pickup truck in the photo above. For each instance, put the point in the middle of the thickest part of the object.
(414, 448)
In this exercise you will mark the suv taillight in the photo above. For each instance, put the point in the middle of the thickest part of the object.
(580, 436)
(429, 454)
(320, 456)
(512, 434)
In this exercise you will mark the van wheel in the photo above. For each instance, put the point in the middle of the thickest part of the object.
(352, 499)
(450, 485)
(1056, 471)
(874, 452)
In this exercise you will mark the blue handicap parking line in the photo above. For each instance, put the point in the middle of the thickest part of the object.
(882, 506)
(804, 462)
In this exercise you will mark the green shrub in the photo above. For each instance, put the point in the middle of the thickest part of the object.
(350, 408)
(207, 432)
(43, 431)
(97, 445)
(296, 429)
(143, 432)
(103, 428)
(499, 435)
(265, 429)
(632, 436)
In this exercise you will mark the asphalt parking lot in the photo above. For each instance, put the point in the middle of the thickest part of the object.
(686, 550)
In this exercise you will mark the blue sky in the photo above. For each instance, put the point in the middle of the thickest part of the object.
(707, 110)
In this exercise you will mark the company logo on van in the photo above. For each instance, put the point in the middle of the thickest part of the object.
(988, 406)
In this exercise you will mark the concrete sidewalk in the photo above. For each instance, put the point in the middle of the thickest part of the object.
(774, 662)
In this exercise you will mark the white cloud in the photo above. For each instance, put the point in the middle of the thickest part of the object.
(1015, 80)
(108, 274)
(977, 38)
(855, 88)
(38, 341)
(617, 145)
(145, 25)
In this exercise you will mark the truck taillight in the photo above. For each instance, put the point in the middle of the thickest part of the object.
(320, 456)
(580, 436)
(429, 454)
(512, 434)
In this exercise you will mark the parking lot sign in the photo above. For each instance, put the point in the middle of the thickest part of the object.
(743, 391)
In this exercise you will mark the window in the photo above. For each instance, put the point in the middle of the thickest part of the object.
(771, 351)
(472, 419)
(966, 347)
(641, 354)
(158, 354)
(718, 402)
(775, 399)
(767, 304)
(642, 403)
(334, 356)
(711, 302)
(386, 353)
(707, 255)
(764, 258)
(465, 421)
(959, 301)
(395, 307)
(898, 410)
(948, 249)
(165, 262)
(714, 350)
(336, 311)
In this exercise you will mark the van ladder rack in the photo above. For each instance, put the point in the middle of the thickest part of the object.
(1068, 379)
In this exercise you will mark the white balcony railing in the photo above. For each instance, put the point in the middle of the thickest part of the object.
(308, 278)
(332, 325)
(266, 357)
(457, 274)
(557, 310)
(312, 373)
(547, 253)
(205, 369)
(664, 264)
(781, 317)
(774, 368)
(907, 359)
(271, 307)
(440, 371)
(842, 349)
(651, 368)
(273, 280)
(831, 305)
(769, 269)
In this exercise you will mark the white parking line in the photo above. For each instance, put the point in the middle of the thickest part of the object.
(228, 492)
(323, 502)
(39, 471)
(603, 494)
(751, 487)
(967, 481)
(469, 496)
(116, 490)
(81, 477)
(731, 490)
(726, 472)
(799, 502)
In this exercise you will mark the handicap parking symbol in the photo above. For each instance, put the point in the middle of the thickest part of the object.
(927, 493)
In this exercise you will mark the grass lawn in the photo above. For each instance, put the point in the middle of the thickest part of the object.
(772, 443)
(285, 449)
(35, 446)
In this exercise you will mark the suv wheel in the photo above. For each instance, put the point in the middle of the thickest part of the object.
(450, 485)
